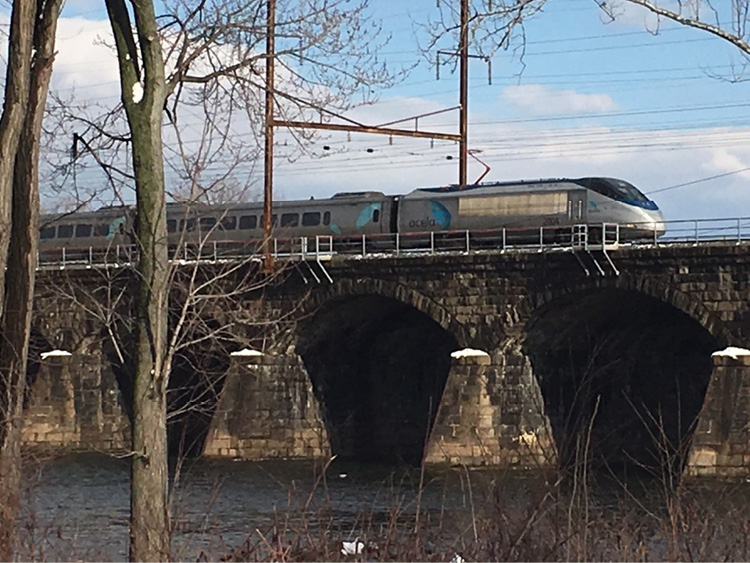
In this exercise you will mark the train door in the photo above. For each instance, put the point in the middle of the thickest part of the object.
(577, 207)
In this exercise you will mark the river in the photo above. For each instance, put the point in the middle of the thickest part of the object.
(76, 508)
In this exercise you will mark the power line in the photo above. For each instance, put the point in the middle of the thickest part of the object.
(699, 181)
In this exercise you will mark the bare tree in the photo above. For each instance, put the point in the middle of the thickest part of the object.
(31, 53)
(728, 21)
(328, 61)
(212, 51)
(144, 91)
(500, 24)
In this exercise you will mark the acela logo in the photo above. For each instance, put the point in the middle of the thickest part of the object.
(422, 223)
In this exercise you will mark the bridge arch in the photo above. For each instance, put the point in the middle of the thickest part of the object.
(198, 372)
(397, 291)
(628, 358)
(378, 357)
(647, 285)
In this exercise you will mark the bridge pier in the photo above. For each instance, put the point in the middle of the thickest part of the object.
(721, 442)
(75, 405)
(267, 410)
(485, 417)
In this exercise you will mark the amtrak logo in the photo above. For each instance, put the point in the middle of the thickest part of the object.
(592, 205)
(366, 215)
(115, 226)
(441, 214)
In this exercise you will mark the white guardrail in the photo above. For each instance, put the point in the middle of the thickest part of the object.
(574, 237)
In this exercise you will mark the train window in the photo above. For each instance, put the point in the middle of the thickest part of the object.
(327, 218)
(310, 219)
(47, 232)
(187, 225)
(207, 223)
(171, 225)
(628, 191)
(83, 230)
(375, 215)
(228, 223)
(101, 230)
(289, 219)
(248, 222)
(619, 190)
(65, 231)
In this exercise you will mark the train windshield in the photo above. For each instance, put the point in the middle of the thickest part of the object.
(627, 190)
(619, 190)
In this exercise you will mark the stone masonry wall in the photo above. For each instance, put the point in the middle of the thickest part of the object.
(480, 422)
(267, 409)
(721, 443)
(74, 406)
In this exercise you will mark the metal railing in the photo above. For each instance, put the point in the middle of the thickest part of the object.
(322, 247)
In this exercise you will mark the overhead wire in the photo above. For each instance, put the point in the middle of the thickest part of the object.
(699, 181)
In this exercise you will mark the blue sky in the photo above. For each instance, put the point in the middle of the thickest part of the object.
(590, 98)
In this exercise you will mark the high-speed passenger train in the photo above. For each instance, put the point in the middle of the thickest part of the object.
(521, 207)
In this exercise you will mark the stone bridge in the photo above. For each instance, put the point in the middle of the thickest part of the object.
(610, 368)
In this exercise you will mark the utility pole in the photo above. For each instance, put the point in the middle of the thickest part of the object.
(463, 129)
(268, 161)
(353, 126)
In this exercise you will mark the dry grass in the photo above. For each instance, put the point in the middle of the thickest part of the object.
(551, 523)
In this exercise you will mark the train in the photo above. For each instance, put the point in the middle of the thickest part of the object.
(520, 207)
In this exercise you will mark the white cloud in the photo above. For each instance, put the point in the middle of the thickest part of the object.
(726, 160)
(85, 65)
(538, 99)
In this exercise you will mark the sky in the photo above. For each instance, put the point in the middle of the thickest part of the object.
(588, 97)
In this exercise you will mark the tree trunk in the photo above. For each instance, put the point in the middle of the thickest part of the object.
(143, 95)
(14, 110)
(18, 168)
(149, 518)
